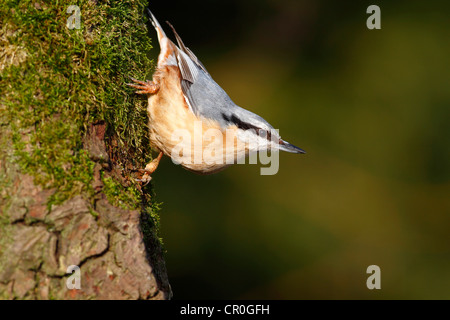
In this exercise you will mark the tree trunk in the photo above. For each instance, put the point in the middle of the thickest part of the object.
(106, 242)
(71, 137)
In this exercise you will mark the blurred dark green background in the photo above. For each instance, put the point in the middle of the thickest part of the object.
(371, 108)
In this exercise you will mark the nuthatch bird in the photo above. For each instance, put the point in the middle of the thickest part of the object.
(183, 99)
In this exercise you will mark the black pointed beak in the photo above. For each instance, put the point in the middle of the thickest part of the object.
(286, 146)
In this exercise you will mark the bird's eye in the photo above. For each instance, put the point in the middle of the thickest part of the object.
(262, 133)
(265, 134)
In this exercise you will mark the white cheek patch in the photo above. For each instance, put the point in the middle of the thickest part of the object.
(254, 141)
(258, 148)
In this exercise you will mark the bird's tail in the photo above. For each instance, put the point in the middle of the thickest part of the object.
(158, 28)
(166, 45)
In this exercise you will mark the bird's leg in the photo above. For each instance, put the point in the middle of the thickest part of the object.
(145, 87)
(150, 168)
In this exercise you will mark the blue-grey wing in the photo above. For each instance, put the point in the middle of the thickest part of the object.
(206, 98)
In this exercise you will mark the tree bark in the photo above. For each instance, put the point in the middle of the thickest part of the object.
(38, 244)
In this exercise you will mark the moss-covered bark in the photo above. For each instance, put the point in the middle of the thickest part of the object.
(71, 136)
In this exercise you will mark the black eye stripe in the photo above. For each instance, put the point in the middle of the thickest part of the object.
(238, 122)
(246, 126)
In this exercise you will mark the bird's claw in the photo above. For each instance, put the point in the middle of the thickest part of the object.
(146, 178)
(144, 87)
(149, 169)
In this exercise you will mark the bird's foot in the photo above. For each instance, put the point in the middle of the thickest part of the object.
(144, 87)
(149, 169)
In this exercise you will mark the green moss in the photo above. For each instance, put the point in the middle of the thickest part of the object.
(150, 223)
(56, 81)
(120, 196)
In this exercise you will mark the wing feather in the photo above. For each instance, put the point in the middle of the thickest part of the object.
(185, 49)
(189, 71)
